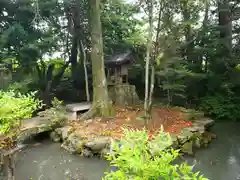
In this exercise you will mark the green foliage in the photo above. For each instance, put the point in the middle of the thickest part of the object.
(22, 86)
(192, 114)
(14, 107)
(120, 29)
(57, 104)
(190, 62)
(140, 159)
(23, 39)
(221, 106)
(57, 113)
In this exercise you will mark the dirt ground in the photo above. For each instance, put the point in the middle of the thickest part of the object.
(171, 119)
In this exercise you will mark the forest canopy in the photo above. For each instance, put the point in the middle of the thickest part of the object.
(194, 50)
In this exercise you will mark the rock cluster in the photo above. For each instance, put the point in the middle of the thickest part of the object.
(78, 144)
(196, 136)
(74, 142)
(45, 121)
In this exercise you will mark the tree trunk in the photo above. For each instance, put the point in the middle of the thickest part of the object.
(101, 105)
(148, 56)
(151, 87)
(85, 70)
(225, 24)
(73, 58)
(156, 53)
(48, 85)
(75, 41)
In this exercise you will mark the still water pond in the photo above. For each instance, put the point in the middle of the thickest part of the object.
(221, 161)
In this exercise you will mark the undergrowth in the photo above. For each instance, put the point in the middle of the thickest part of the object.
(137, 158)
(14, 107)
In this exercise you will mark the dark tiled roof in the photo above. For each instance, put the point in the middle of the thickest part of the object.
(119, 59)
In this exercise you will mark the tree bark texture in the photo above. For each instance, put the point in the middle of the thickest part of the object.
(85, 71)
(75, 40)
(148, 57)
(101, 105)
(225, 24)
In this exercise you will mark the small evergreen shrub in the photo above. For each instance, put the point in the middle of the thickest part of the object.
(221, 106)
(135, 161)
(14, 107)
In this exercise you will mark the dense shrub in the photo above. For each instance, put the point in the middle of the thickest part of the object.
(134, 159)
(14, 107)
(221, 106)
(21, 86)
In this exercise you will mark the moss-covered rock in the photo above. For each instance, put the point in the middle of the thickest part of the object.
(123, 94)
(184, 136)
(105, 151)
(187, 147)
(97, 144)
(197, 139)
(206, 122)
(55, 137)
(74, 143)
(87, 153)
(47, 120)
(189, 138)
(195, 136)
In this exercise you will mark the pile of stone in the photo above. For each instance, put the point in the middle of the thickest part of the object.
(75, 143)
(195, 136)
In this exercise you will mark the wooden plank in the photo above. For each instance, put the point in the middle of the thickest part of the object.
(78, 106)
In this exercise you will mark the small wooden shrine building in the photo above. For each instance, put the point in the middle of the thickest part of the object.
(120, 91)
(117, 68)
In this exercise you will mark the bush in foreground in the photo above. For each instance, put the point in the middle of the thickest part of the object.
(135, 161)
(14, 107)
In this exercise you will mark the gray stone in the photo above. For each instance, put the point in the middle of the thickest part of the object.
(187, 147)
(174, 141)
(206, 122)
(72, 109)
(64, 132)
(196, 128)
(193, 129)
(97, 144)
(105, 152)
(58, 131)
(55, 137)
(182, 139)
(39, 124)
(74, 143)
(197, 142)
(184, 136)
(87, 153)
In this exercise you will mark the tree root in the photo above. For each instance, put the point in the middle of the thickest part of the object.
(92, 112)
(97, 110)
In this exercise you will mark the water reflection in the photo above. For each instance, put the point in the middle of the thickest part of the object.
(49, 162)
(221, 161)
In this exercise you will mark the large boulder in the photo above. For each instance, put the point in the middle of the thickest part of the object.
(187, 147)
(55, 137)
(184, 136)
(47, 120)
(206, 122)
(98, 144)
(124, 94)
(60, 134)
(74, 143)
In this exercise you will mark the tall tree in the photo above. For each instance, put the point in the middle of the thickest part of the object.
(101, 105)
(225, 24)
(148, 94)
